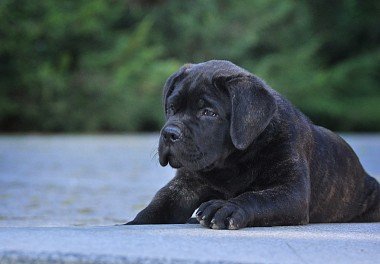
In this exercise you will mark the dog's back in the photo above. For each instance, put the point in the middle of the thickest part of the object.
(341, 190)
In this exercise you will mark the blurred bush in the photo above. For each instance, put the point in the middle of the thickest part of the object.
(85, 66)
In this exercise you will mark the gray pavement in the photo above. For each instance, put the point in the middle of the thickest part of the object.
(84, 180)
(60, 197)
(322, 243)
(77, 180)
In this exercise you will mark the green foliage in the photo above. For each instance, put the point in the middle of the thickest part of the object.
(82, 66)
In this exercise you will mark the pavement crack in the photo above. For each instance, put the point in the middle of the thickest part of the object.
(296, 253)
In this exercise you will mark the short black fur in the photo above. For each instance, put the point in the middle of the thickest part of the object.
(245, 156)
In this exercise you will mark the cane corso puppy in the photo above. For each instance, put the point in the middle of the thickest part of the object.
(245, 156)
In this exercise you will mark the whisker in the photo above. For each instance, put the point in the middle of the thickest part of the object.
(154, 152)
(155, 156)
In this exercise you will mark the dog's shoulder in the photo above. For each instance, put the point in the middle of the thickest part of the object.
(288, 118)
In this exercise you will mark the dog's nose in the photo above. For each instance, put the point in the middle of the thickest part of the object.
(171, 133)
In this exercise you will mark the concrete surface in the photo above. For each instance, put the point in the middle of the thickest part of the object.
(50, 185)
(323, 243)
(84, 180)
(77, 180)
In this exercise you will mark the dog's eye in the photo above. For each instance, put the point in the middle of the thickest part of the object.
(208, 112)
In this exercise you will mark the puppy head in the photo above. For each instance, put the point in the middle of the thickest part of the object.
(212, 109)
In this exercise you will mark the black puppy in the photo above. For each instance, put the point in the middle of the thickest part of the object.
(247, 157)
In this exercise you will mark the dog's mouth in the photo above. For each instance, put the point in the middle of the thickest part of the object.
(192, 159)
(166, 157)
(174, 163)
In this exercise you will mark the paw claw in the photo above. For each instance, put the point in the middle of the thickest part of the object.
(220, 214)
(232, 225)
(215, 226)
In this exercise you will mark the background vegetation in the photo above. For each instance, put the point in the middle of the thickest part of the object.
(85, 66)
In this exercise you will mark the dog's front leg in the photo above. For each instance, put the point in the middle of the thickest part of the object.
(283, 204)
(174, 203)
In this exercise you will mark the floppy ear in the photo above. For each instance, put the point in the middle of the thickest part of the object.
(252, 108)
(170, 82)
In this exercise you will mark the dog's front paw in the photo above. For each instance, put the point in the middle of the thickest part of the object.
(220, 214)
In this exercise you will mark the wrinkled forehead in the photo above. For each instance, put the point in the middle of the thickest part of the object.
(195, 93)
(193, 85)
(196, 81)
(199, 77)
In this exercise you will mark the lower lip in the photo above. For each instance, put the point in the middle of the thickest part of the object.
(175, 164)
